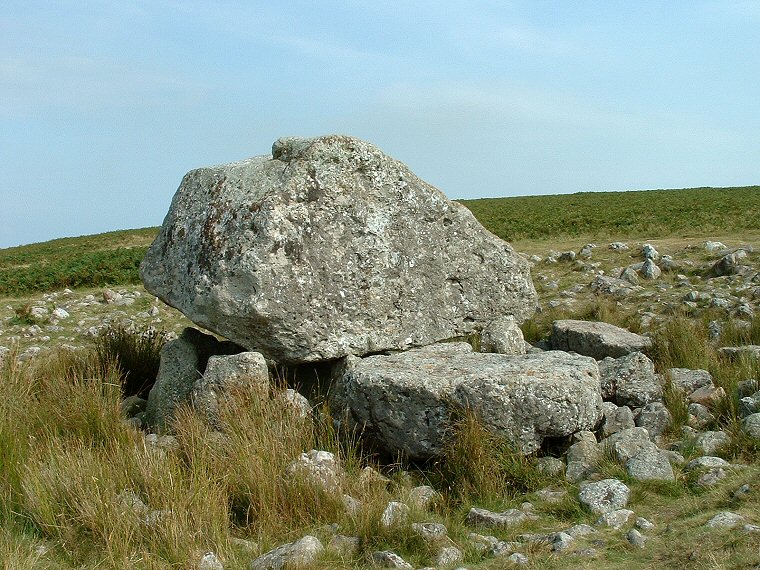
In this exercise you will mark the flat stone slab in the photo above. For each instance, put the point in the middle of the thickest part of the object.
(329, 247)
(596, 339)
(404, 401)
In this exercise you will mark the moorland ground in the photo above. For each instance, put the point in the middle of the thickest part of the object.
(67, 457)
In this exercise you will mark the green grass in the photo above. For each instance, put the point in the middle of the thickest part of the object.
(90, 261)
(648, 213)
(113, 258)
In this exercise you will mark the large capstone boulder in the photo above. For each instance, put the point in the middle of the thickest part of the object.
(596, 339)
(328, 247)
(405, 401)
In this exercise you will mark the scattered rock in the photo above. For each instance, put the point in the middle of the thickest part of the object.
(636, 538)
(422, 496)
(630, 380)
(388, 559)
(616, 418)
(489, 519)
(726, 519)
(751, 425)
(347, 546)
(502, 336)
(209, 561)
(711, 441)
(655, 418)
(300, 552)
(650, 465)
(688, 381)
(448, 555)
(319, 468)
(615, 519)
(245, 371)
(394, 514)
(430, 530)
(605, 495)
(596, 339)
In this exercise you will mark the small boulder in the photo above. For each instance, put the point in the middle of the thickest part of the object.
(630, 380)
(605, 495)
(502, 336)
(300, 552)
(596, 339)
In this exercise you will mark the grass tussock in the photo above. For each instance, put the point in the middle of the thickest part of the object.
(135, 354)
(484, 467)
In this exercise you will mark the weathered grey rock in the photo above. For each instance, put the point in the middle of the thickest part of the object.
(345, 545)
(631, 275)
(209, 561)
(711, 477)
(585, 449)
(183, 362)
(616, 418)
(616, 288)
(518, 558)
(318, 468)
(648, 251)
(650, 465)
(726, 265)
(551, 495)
(578, 471)
(300, 552)
(751, 425)
(644, 524)
(245, 371)
(687, 380)
(561, 541)
(596, 339)
(615, 519)
(404, 400)
(618, 246)
(132, 406)
(649, 270)
(295, 402)
(628, 443)
(751, 351)
(706, 462)
(655, 418)
(636, 538)
(502, 336)
(726, 519)
(448, 555)
(699, 416)
(550, 465)
(605, 495)
(707, 395)
(567, 256)
(749, 405)
(745, 387)
(395, 513)
(711, 441)
(430, 530)
(388, 559)
(489, 519)
(630, 380)
(326, 248)
(422, 496)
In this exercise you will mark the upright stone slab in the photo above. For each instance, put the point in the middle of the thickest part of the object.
(329, 247)
(404, 401)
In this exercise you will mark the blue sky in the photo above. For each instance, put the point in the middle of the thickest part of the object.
(105, 105)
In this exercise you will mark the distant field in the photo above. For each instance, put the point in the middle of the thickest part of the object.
(651, 213)
(89, 261)
(113, 258)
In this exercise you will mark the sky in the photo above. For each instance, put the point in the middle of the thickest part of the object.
(104, 106)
